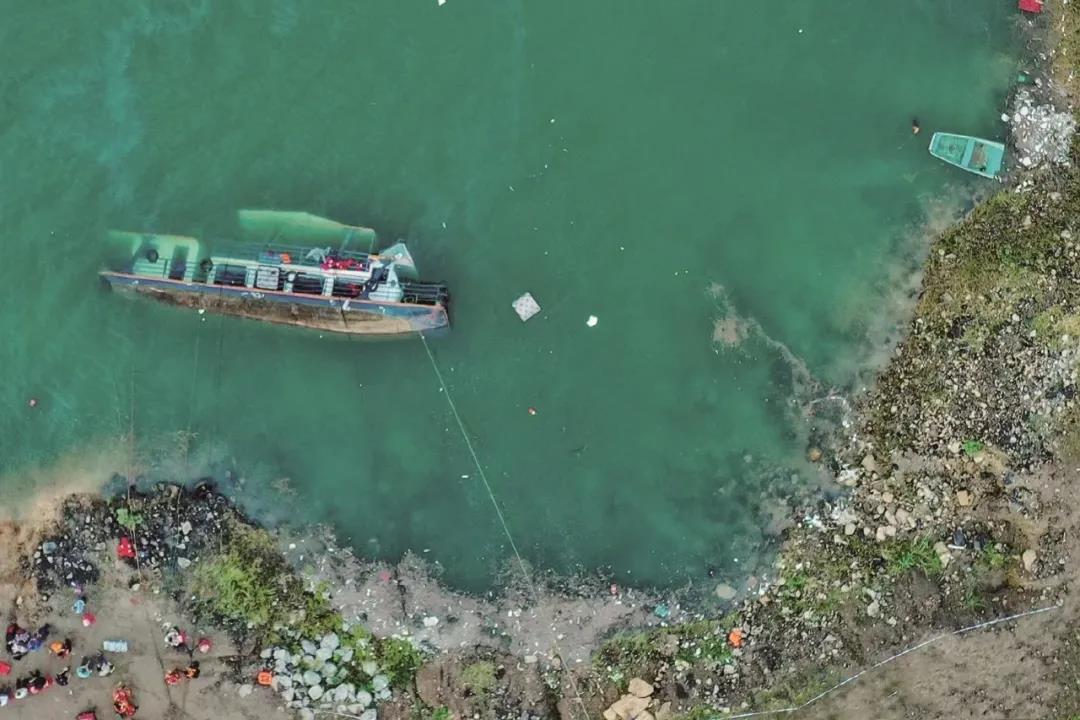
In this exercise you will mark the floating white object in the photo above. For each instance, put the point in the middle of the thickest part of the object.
(591, 322)
(526, 306)
(442, 2)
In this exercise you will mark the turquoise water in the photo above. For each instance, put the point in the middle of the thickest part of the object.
(617, 160)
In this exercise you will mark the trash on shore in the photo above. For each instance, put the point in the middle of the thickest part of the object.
(1040, 133)
(526, 306)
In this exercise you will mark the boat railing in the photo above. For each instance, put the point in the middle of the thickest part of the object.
(278, 253)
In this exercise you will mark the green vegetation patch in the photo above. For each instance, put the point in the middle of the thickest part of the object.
(636, 654)
(479, 676)
(904, 555)
(249, 588)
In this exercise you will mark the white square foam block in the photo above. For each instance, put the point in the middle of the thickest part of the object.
(526, 306)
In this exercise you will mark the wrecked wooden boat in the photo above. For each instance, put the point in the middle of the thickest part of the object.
(293, 269)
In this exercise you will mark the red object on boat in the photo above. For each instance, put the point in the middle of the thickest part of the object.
(5, 668)
(1031, 6)
(125, 550)
(88, 619)
(88, 715)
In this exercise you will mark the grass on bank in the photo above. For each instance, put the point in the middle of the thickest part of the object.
(249, 588)
(637, 654)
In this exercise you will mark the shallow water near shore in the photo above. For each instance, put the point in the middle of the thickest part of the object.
(666, 169)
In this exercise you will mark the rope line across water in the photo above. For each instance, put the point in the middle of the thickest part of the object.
(498, 511)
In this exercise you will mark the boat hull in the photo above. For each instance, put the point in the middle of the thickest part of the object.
(976, 155)
(349, 316)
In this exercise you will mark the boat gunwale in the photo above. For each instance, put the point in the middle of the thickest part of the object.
(232, 288)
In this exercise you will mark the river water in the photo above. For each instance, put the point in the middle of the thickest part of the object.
(732, 189)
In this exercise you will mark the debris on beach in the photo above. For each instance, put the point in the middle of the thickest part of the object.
(1041, 133)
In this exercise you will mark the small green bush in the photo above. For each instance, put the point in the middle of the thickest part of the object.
(399, 660)
(479, 677)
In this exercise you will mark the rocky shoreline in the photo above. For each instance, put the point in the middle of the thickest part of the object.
(957, 477)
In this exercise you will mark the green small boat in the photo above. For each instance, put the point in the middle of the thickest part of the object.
(982, 157)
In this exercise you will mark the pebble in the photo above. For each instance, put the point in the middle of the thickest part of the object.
(963, 498)
(315, 692)
(183, 563)
(312, 678)
(1028, 558)
(330, 641)
(942, 551)
(849, 529)
(245, 690)
(431, 621)
(640, 688)
(380, 683)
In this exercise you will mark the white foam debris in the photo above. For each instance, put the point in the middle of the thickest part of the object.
(591, 322)
(1040, 133)
(526, 306)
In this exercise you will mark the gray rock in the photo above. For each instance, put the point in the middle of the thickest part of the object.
(724, 591)
(288, 694)
(330, 640)
(244, 690)
(369, 714)
(384, 694)
(328, 670)
(370, 668)
(183, 563)
(312, 678)
(380, 682)
(265, 653)
(185, 527)
(315, 692)
(1028, 558)
(323, 654)
(344, 654)
(308, 646)
(363, 698)
(344, 692)
(306, 714)
(283, 681)
(281, 654)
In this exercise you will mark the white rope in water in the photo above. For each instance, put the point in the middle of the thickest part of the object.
(875, 666)
(498, 511)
